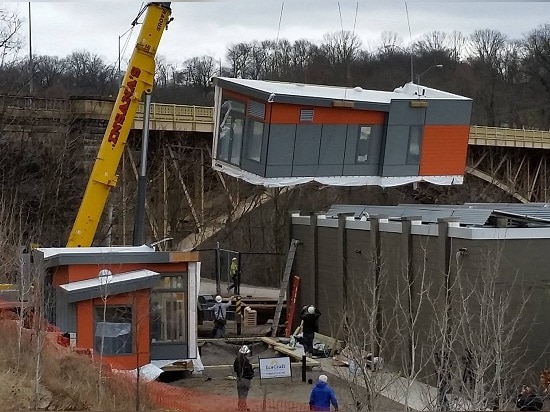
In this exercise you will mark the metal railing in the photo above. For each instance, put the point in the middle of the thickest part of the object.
(34, 103)
(503, 136)
(178, 113)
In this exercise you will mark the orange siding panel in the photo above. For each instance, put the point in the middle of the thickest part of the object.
(85, 324)
(290, 114)
(60, 275)
(444, 150)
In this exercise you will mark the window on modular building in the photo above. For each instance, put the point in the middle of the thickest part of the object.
(363, 143)
(231, 131)
(113, 330)
(415, 138)
(168, 310)
(237, 140)
(254, 140)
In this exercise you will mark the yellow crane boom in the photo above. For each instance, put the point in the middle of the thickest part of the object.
(138, 79)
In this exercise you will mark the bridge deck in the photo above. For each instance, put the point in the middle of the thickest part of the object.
(177, 117)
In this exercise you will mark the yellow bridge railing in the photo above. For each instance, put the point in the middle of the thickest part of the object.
(503, 136)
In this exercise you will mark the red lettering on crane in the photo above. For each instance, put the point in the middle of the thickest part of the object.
(120, 117)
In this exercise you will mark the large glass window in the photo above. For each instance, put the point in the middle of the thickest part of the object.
(168, 310)
(363, 144)
(231, 131)
(113, 330)
(415, 138)
(254, 141)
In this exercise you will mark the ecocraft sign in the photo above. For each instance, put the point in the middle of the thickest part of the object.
(275, 368)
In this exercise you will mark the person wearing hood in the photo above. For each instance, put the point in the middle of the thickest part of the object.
(244, 371)
(322, 396)
(220, 316)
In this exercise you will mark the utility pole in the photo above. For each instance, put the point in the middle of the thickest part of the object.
(139, 222)
(31, 74)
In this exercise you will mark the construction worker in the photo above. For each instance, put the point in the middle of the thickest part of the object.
(220, 316)
(234, 273)
(310, 324)
(322, 396)
(245, 373)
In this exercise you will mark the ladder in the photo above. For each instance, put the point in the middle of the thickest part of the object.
(284, 285)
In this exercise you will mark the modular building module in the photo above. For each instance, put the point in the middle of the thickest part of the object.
(282, 134)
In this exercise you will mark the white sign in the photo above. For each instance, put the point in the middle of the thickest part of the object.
(275, 368)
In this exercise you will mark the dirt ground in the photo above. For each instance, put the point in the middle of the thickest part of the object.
(217, 379)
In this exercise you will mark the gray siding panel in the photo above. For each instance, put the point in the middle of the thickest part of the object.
(278, 171)
(401, 170)
(333, 144)
(169, 351)
(308, 143)
(397, 141)
(401, 113)
(281, 145)
(331, 287)
(302, 268)
(448, 112)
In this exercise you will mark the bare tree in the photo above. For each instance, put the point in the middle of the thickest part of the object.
(239, 56)
(199, 71)
(10, 36)
(435, 41)
(493, 324)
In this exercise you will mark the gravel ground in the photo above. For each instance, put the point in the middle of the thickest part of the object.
(217, 378)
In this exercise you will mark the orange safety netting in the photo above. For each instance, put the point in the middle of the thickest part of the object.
(165, 395)
(183, 399)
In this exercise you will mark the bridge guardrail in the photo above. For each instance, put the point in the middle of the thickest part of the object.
(178, 113)
(35, 103)
(502, 136)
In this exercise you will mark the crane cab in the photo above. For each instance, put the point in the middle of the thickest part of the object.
(282, 134)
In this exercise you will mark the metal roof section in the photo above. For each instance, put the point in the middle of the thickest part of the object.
(468, 214)
(273, 91)
(112, 284)
(112, 255)
(101, 250)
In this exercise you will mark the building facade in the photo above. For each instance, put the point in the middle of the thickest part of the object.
(420, 278)
(133, 305)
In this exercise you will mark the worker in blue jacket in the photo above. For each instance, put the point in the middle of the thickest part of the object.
(322, 396)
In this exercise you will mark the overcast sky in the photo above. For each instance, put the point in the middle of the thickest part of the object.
(208, 27)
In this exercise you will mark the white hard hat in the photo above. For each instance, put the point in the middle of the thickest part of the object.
(323, 378)
(234, 258)
(218, 299)
(245, 350)
(311, 310)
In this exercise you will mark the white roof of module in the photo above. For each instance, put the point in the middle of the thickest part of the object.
(53, 251)
(408, 91)
(110, 280)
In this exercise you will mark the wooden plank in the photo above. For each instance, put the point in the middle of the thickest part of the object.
(334, 344)
(282, 348)
(242, 340)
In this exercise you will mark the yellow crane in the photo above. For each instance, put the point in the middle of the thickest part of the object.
(139, 78)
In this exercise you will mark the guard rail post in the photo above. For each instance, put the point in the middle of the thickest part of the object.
(238, 314)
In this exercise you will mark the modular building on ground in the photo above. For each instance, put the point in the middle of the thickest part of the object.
(133, 305)
(415, 278)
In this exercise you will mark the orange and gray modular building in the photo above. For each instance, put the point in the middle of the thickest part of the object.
(132, 304)
(282, 134)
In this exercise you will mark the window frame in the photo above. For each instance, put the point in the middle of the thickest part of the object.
(98, 318)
